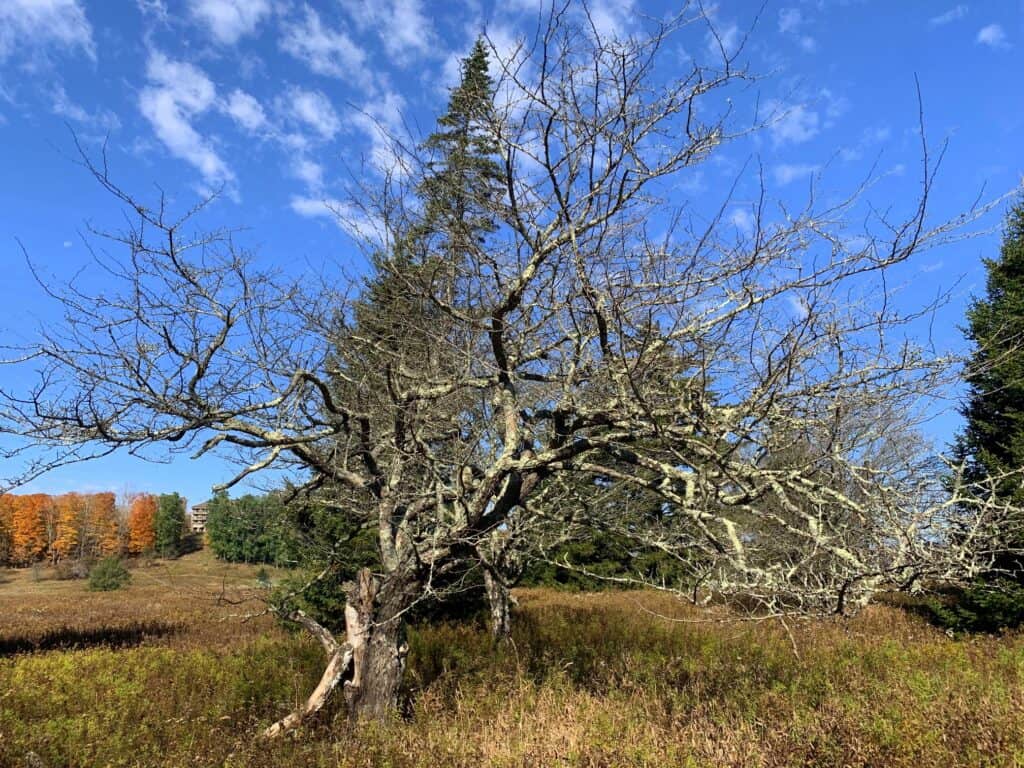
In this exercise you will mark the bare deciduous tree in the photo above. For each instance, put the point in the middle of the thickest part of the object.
(569, 342)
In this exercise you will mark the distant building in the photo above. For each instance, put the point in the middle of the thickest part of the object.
(198, 517)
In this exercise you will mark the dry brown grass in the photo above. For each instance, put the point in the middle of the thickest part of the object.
(591, 680)
(185, 602)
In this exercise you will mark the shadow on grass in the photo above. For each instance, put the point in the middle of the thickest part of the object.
(68, 638)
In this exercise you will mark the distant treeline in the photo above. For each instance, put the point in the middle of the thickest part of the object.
(263, 529)
(86, 526)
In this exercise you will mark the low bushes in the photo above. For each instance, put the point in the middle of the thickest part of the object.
(108, 574)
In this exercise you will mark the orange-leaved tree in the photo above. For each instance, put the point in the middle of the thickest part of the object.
(142, 524)
(28, 528)
(103, 524)
(71, 525)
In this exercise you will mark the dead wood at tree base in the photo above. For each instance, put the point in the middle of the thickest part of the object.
(340, 657)
(374, 653)
(336, 668)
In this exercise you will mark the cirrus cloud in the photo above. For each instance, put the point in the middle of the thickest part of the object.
(229, 20)
(35, 26)
(177, 93)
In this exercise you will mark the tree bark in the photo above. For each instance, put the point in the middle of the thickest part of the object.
(500, 600)
(373, 656)
(374, 618)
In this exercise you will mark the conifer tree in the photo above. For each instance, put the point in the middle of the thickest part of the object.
(170, 525)
(992, 442)
(461, 187)
(464, 181)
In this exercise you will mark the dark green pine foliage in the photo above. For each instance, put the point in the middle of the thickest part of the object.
(993, 440)
(251, 529)
(462, 188)
(464, 184)
(170, 525)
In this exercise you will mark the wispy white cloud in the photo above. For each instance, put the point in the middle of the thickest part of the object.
(308, 171)
(228, 21)
(36, 26)
(380, 121)
(312, 207)
(798, 306)
(177, 93)
(793, 123)
(507, 45)
(407, 32)
(326, 51)
(349, 217)
(953, 14)
(404, 27)
(835, 106)
(311, 109)
(790, 20)
(245, 110)
(156, 9)
(993, 36)
(791, 24)
(786, 173)
(693, 184)
(612, 18)
(869, 137)
(64, 106)
(726, 38)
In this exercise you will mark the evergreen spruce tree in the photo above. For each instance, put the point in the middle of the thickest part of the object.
(170, 525)
(992, 441)
(397, 330)
(460, 191)
(465, 182)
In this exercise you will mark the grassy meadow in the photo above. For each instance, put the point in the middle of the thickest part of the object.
(167, 673)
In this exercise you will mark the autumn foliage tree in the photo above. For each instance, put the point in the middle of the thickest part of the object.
(73, 526)
(106, 536)
(69, 508)
(28, 528)
(142, 524)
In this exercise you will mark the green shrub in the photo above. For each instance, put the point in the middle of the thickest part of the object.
(982, 607)
(108, 574)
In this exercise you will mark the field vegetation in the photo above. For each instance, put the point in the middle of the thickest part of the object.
(164, 672)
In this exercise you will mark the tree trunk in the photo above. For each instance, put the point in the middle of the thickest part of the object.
(372, 658)
(374, 618)
(501, 606)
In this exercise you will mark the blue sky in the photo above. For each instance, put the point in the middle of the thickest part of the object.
(280, 102)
